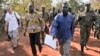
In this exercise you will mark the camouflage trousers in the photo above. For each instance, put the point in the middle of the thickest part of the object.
(97, 33)
(84, 35)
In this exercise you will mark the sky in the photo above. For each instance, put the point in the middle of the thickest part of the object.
(56, 1)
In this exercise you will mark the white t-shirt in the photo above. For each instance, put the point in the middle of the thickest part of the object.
(12, 20)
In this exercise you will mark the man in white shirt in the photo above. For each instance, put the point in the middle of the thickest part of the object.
(12, 25)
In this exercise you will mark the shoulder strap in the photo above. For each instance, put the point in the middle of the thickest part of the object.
(16, 18)
(15, 15)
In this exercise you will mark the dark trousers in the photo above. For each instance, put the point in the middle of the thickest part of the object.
(43, 36)
(35, 39)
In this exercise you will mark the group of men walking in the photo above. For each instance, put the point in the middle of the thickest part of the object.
(60, 25)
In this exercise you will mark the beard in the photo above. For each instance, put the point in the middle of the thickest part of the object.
(65, 14)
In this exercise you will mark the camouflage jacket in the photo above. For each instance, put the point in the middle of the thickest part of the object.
(52, 15)
(86, 19)
(45, 16)
(97, 22)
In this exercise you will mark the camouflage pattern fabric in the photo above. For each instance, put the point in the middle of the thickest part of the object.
(84, 34)
(45, 16)
(85, 22)
(52, 15)
(97, 27)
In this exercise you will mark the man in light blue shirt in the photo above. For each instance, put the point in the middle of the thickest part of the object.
(62, 29)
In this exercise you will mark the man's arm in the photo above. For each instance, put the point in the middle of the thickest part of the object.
(54, 27)
(78, 20)
(26, 23)
(42, 25)
(72, 26)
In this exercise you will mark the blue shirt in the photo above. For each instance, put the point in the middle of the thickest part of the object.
(63, 27)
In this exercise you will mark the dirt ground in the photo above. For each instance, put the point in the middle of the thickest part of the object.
(25, 50)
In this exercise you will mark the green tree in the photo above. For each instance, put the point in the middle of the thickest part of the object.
(22, 6)
(59, 5)
(1, 3)
(74, 5)
(95, 4)
(45, 3)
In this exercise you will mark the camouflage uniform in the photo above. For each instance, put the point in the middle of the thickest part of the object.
(45, 17)
(52, 15)
(97, 27)
(85, 20)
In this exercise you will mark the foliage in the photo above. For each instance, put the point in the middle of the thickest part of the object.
(22, 6)
(42, 3)
(59, 5)
(75, 5)
(1, 3)
(95, 4)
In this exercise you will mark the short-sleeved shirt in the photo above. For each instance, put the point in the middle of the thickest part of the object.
(33, 25)
(12, 20)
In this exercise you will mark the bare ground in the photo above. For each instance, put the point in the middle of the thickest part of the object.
(25, 50)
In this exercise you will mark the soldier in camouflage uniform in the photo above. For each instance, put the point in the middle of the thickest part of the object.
(85, 20)
(97, 27)
(45, 14)
(45, 17)
(53, 14)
